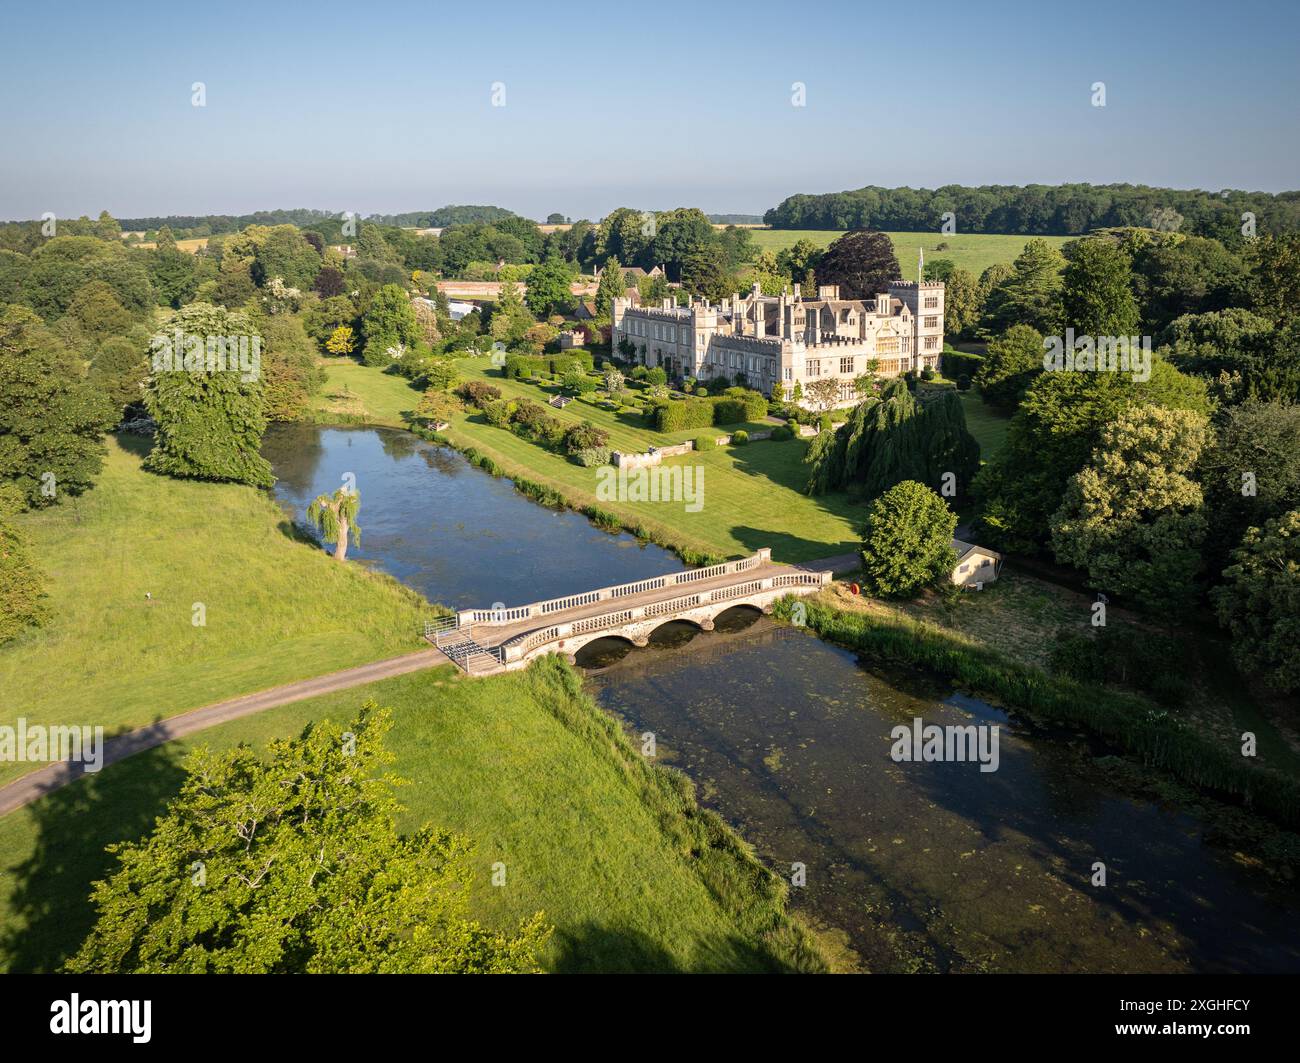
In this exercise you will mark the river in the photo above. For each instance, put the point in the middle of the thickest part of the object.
(908, 866)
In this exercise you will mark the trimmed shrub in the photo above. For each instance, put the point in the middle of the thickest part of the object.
(706, 442)
(477, 393)
(682, 414)
(958, 363)
(592, 456)
(498, 412)
(738, 406)
(739, 438)
(584, 436)
(781, 433)
(519, 366)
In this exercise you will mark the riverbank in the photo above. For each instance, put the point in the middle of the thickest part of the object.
(167, 595)
(615, 850)
(752, 495)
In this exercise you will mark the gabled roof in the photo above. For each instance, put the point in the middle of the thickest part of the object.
(964, 550)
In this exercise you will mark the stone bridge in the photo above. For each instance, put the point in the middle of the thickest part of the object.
(486, 641)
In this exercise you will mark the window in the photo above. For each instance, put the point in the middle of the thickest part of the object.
(931, 342)
(846, 365)
(813, 368)
(789, 372)
(932, 302)
(932, 322)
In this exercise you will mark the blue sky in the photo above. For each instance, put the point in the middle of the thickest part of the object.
(379, 107)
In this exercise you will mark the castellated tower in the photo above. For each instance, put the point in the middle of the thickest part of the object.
(925, 300)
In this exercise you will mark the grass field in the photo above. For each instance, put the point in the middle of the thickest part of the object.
(973, 251)
(752, 494)
(277, 609)
(518, 763)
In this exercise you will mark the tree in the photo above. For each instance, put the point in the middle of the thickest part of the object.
(289, 370)
(210, 416)
(335, 517)
(893, 438)
(1052, 436)
(823, 393)
(1031, 295)
(292, 862)
(862, 263)
(120, 372)
(329, 282)
(907, 541)
(1097, 290)
(705, 273)
(614, 381)
(1132, 518)
(1259, 602)
(388, 325)
(283, 253)
(51, 417)
(610, 287)
(1250, 473)
(22, 584)
(549, 288)
(1274, 282)
(576, 381)
(341, 341)
(961, 304)
(1012, 363)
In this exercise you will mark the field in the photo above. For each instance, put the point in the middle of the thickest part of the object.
(752, 493)
(277, 609)
(973, 251)
(494, 759)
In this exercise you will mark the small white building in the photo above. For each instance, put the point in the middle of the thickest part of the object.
(976, 565)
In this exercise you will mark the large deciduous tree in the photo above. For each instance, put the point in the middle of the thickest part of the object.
(292, 862)
(1259, 602)
(1132, 518)
(549, 288)
(389, 325)
(22, 584)
(862, 263)
(907, 541)
(51, 417)
(210, 419)
(1014, 360)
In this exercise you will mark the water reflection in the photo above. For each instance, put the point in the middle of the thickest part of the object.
(449, 530)
(939, 866)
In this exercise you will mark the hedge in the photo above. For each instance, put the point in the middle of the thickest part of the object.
(959, 363)
(682, 414)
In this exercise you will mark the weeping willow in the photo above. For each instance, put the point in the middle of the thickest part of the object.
(335, 517)
(893, 438)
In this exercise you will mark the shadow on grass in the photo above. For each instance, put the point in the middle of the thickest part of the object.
(591, 949)
(50, 911)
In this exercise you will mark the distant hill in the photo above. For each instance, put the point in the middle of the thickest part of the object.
(1039, 210)
(735, 219)
(215, 224)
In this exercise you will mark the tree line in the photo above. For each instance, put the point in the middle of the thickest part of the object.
(1041, 210)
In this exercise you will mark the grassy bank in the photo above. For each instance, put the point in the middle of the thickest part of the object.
(752, 495)
(274, 608)
(1131, 723)
(631, 872)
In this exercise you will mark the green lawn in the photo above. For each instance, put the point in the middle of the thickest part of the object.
(972, 251)
(277, 609)
(751, 498)
(987, 425)
(519, 763)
